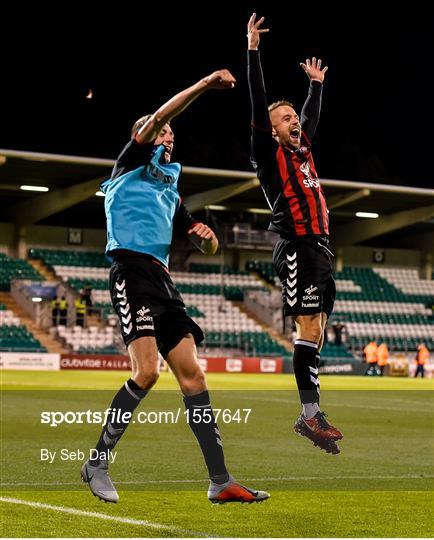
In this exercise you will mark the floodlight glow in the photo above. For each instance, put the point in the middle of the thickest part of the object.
(36, 299)
(34, 188)
(216, 207)
(100, 194)
(371, 215)
(259, 210)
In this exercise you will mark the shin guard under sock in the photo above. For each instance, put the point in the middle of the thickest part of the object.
(125, 401)
(305, 364)
(202, 422)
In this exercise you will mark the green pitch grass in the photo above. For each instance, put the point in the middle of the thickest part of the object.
(379, 486)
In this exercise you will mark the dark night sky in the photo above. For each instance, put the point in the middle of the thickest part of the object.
(376, 119)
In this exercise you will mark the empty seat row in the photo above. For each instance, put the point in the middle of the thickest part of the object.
(362, 306)
(423, 332)
(205, 268)
(16, 338)
(11, 268)
(407, 280)
(83, 272)
(60, 257)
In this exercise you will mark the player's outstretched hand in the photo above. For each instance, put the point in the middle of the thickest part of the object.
(254, 32)
(313, 70)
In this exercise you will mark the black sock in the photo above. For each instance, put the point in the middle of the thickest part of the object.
(317, 363)
(202, 422)
(125, 401)
(306, 370)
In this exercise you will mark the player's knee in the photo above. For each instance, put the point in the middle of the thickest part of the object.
(313, 334)
(146, 377)
(310, 329)
(193, 383)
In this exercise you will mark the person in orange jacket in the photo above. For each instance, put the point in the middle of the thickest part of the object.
(422, 357)
(382, 358)
(370, 352)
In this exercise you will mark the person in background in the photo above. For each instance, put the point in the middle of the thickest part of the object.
(63, 311)
(382, 358)
(422, 357)
(55, 303)
(338, 329)
(80, 311)
(86, 296)
(370, 353)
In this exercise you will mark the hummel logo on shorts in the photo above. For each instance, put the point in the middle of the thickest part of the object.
(143, 311)
(310, 289)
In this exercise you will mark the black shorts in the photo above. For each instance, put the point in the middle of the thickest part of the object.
(148, 303)
(305, 272)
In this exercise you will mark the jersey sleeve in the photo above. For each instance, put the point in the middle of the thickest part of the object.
(311, 110)
(132, 156)
(183, 219)
(262, 142)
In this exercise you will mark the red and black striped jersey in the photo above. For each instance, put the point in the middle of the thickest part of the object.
(288, 177)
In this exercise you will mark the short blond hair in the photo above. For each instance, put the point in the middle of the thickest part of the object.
(139, 123)
(279, 103)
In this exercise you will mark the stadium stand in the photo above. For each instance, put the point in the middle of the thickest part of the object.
(407, 281)
(11, 268)
(61, 257)
(15, 337)
(384, 310)
(226, 326)
(385, 304)
(264, 269)
(92, 340)
(382, 304)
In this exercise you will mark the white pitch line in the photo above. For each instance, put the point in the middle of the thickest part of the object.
(106, 517)
(267, 479)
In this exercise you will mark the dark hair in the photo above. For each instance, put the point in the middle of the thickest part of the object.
(279, 103)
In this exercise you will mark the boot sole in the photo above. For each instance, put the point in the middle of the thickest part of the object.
(329, 446)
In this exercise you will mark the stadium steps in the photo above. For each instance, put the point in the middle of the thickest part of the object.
(52, 345)
(94, 320)
(286, 344)
(40, 267)
(266, 284)
(263, 269)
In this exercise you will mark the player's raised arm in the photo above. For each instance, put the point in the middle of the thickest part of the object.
(312, 106)
(313, 70)
(258, 98)
(218, 80)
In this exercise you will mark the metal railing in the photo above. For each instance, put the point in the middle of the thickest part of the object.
(266, 306)
(240, 235)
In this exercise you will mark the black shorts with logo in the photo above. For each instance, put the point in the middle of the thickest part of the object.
(305, 272)
(148, 303)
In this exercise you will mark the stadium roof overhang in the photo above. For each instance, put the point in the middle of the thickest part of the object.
(405, 213)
